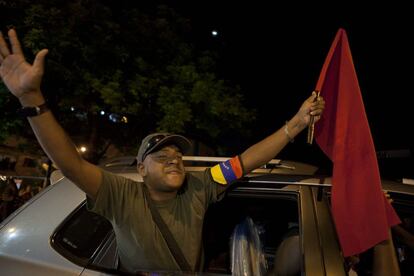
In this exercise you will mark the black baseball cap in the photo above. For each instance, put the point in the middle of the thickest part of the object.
(155, 141)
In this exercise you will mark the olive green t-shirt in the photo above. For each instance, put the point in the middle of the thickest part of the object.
(140, 243)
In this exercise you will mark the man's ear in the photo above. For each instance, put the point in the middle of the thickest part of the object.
(141, 169)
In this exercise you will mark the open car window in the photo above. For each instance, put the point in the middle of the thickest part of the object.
(275, 216)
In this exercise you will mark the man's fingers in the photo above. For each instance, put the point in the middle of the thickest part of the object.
(320, 103)
(40, 59)
(4, 49)
(312, 97)
(15, 44)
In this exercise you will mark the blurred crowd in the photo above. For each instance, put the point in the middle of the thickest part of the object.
(14, 193)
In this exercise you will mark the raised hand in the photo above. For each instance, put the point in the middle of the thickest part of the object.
(314, 106)
(20, 77)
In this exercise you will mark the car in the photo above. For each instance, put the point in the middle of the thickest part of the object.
(54, 234)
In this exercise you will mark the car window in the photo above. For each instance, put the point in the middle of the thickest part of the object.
(275, 216)
(81, 235)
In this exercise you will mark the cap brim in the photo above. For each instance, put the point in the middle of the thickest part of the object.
(180, 141)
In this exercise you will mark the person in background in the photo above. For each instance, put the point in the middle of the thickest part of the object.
(25, 192)
(9, 198)
(288, 257)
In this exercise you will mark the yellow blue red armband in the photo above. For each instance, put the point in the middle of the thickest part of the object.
(227, 171)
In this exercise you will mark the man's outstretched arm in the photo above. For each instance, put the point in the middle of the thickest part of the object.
(265, 150)
(23, 80)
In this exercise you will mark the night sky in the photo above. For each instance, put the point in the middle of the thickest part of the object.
(277, 51)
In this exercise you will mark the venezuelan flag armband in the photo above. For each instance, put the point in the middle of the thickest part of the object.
(227, 171)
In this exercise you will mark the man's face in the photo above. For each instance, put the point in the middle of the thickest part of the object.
(163, 170)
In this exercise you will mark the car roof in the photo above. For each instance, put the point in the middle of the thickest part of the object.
(198, 163)
(275, 171)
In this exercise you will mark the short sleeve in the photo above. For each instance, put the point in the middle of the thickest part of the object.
(113, 196)
(218, 178)
(228, 171)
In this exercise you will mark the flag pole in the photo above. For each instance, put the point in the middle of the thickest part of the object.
(311, 127)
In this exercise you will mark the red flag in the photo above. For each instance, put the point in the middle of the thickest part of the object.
(361, 212)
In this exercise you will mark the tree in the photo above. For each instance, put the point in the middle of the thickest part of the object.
(117, 71)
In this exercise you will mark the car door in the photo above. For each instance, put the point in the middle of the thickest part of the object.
(322, 251)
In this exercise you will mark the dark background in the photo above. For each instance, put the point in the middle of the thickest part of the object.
(275, 52)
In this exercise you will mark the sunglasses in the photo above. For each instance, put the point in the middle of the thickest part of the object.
(152, 143)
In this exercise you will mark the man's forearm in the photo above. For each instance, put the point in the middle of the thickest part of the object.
(52, 137)
(60, 148)
(55, 142)
(265, 150)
